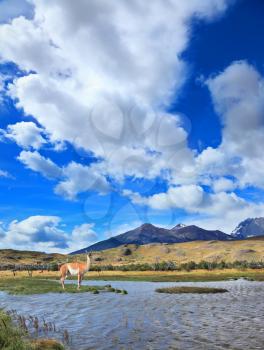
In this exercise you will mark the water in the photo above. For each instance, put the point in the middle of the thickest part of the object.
(144, 319)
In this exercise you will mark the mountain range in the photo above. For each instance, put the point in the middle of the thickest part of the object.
(148, 233)
(248, 228)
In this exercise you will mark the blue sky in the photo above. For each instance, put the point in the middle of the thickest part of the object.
(114, 114)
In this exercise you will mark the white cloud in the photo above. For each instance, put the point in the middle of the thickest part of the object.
(228, 217)
(5, 174)
(84, 232)
(26, 134)
(109, 100)
(220, 210)
(73, 178)
(35, 231)
(38, 163)
(45, 233)
(82, 236)
(80, 178)
(223, 184)
(130, 57)
(238, 95)
(189, 197)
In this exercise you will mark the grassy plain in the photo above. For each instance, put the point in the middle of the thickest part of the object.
(150, 276)
(212, 251)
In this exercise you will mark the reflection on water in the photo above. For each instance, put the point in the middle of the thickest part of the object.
(144, 319)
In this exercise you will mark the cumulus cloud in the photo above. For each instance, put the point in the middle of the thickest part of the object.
(42, 231)
(110, 101)
(219, 210)
(238, 96)
(80, 178)
(103, 99)
(223, 184)
(45, 233)
(188, 197)
(82, 236)
(73, 179)
(26, 135)
(229, 216)
(38, 163)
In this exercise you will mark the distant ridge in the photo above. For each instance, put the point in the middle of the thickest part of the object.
(148, 233)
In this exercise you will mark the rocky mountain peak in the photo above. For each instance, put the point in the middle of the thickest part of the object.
(249, 227)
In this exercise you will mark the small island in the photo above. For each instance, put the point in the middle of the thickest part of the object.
(191, 290)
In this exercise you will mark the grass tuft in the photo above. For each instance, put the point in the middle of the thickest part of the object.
(46, 344)
(14, 338)
(196, 290)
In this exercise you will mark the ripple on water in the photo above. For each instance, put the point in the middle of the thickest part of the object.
(144, 319)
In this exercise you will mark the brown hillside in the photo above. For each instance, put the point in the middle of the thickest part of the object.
(251, 249)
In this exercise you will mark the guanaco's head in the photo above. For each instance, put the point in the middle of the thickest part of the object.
(89, 253)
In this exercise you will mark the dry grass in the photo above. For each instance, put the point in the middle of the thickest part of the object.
(173, 276)
(10, 256)
(46, 344)
(36, 274)
(213, 251)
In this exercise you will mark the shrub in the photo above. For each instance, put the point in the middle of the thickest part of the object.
(127, 251)
(53, 267)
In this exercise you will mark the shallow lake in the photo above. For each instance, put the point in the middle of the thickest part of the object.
(144, 319)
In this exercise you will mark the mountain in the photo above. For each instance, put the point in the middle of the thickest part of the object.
(195, 233)
(148, 233)
(179, 226)
(249, 227)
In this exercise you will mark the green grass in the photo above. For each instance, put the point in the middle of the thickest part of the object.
(13, 338)
(196, 290)
(209, 276)
(27, 286)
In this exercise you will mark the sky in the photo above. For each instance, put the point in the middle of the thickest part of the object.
(117, 113)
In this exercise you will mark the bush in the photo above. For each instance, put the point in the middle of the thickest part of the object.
(10, 336)
(53, 267)
(127, 251)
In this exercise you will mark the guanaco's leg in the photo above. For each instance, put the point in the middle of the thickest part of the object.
(62, 281)
(79, 280)
(63, 271)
